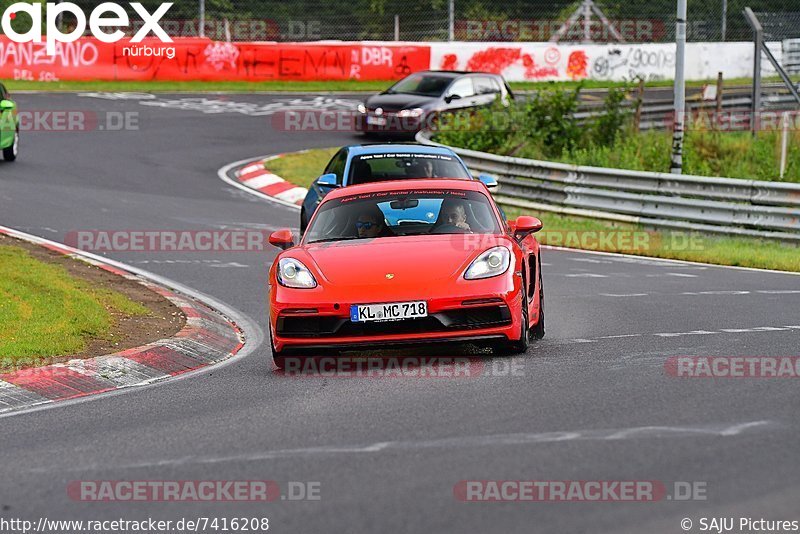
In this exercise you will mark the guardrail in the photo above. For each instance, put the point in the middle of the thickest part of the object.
(791, 56)
(693, 203)
(656, 114)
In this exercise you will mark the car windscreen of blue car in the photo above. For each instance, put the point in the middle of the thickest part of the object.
(369, 168)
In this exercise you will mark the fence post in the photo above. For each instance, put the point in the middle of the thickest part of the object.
(784, 142)
(758, 36)
(451, 20)
(724, 18)
(397, 27)
(637, 117)
(202, 30)
(676, 166)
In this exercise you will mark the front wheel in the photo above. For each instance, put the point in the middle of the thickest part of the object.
(10, 152)
(520, 346)
(538, 331)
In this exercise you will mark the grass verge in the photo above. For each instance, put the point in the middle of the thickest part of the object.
(592, 234)
(302, 168)
(52, 306)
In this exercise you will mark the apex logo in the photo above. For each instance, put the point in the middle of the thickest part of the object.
(106, 15)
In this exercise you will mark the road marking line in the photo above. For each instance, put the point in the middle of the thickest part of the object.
(448, 443)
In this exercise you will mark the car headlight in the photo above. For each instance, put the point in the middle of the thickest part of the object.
(493, 262)
(416, 112)
(292, 273)
(362, 108)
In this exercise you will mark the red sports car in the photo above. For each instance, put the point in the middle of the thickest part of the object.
(402, 262)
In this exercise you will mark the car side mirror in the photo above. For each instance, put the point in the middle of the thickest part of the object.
(524, 225)
(5, 105)
(488, 180)
(282, 239)
(450, 98)
(327, 180)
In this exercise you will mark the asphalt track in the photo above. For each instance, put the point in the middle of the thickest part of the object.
(593, 402)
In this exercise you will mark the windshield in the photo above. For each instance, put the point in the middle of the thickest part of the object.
(400, 166)
(421, 84)
(385, 214)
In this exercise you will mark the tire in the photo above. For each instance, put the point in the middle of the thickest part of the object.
(537, 332)
(280, 358)
(10, 153)
(520, 346)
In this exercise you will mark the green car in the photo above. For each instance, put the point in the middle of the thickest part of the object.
(9, 125)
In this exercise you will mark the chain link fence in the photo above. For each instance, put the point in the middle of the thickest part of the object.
(635, 21)
(598, 21)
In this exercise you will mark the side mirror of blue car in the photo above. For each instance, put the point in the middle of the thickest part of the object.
(327, 180)
(488, 180)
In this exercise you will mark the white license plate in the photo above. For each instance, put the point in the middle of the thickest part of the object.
(393, 311)
(377, 121)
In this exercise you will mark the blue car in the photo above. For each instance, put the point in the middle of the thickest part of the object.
(359, 164)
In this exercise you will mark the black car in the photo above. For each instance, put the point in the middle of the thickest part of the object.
(411, 103)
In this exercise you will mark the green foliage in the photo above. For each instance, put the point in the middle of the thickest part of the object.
(706, 153)
(545, 122)
(487, 129)
(544, 128)
(548, 120)
(607, 126)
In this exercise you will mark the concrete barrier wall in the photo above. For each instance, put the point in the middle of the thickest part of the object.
(546, 61)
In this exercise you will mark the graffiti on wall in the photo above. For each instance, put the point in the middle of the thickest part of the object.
(616, 62)
(203, 59)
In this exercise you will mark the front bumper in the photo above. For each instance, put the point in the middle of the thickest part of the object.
(394, 123)
(300, 319)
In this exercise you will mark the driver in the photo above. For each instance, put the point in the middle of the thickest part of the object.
(455, 215)
(369, 224)
(421, 168)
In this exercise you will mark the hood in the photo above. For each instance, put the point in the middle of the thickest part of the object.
(411, 260)
(396, 102)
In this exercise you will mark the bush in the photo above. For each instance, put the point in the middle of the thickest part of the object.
(548, 121)
(544, 127)
(607, 127)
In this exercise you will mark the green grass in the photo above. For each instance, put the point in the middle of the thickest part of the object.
(576, 232)
(310, 86)
(728, 154)
(302, 168)
(46, 312)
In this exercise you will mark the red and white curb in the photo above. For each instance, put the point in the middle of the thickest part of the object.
(208, 338)
(256, 176)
